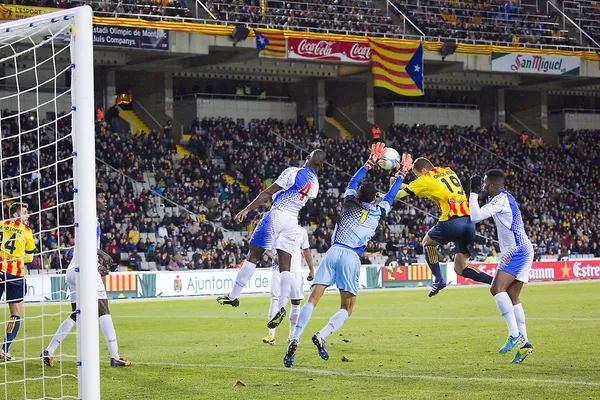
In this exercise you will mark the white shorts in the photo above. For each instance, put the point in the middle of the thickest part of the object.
(517, 261)
(71, 281)
(296, 292)
(277, 230)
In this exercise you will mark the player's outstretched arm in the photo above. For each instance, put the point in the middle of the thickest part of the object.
(261, 199)
(493, 207)
(377, 150)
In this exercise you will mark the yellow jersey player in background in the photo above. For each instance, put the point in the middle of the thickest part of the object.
(442, 185)
(16, 249)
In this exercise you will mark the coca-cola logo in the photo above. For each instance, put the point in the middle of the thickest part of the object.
(322, 48)
(360, 52)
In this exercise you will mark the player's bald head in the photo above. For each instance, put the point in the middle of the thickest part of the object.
(421, 165)
(316, 160)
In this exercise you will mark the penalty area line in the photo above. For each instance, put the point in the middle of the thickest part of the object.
(383, 376)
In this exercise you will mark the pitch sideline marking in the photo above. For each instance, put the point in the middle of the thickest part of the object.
(384, 376)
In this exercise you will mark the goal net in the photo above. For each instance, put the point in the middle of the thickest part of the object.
(47, 163)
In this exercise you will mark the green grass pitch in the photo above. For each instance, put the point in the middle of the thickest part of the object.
(398, 343)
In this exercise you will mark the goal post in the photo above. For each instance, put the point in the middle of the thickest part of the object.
(39, 49)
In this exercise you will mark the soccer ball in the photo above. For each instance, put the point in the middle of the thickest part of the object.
(388, 160)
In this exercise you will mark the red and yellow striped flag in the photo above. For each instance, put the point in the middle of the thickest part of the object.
(275, 44)
(398, 67)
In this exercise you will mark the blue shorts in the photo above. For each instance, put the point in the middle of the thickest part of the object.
(517, 262)
(14, 287)
(340, 266)
(460, 230)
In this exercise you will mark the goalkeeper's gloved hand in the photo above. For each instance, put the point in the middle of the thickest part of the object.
(402, 166)
(476, 183)
(377, 151)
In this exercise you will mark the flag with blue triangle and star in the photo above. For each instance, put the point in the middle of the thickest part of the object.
(398, 66)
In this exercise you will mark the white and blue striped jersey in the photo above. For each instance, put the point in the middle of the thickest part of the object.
(358, 221)
(298, 185)
(504, 210)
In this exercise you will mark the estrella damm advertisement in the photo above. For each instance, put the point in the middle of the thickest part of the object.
(405, 275)
(12, 11)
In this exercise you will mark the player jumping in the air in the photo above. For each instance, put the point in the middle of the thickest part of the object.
(106, 323)
(341, 265)
(442, 185)
(16, 249)
(515, 261)
(296, 293)
(277, 228)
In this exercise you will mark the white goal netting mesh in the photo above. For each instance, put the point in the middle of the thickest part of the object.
(36, 169)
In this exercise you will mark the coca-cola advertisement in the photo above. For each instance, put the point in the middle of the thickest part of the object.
(548, 271)
(328, 50)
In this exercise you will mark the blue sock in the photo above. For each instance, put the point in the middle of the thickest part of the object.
(303, 318)
(12, 328)
(476, 275)
(431, 256)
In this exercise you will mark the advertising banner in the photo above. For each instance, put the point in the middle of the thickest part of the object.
(535, 64)
(328, 50)
(134, 38)
(405, 275)
(12, 11)
(548, 271)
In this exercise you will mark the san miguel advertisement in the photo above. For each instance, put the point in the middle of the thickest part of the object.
(548, 271)
(535, 64)
(135, 38)
(328, 50)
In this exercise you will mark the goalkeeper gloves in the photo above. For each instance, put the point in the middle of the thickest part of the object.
(403, 166)
(377, 151)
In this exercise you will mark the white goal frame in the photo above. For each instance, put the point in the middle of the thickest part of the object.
(84, 177)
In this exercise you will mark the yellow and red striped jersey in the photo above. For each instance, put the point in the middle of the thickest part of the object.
(441, 185)
(16, 247)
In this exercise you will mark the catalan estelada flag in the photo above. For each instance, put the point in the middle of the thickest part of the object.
(270, 42)
(398, 66)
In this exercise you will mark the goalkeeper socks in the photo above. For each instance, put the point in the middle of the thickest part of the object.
(476, 275)
(520, 317)
(431, 256)
(108, 330)
(61, 334)
(12, 328)
(335, 323)
(303, 318)
(294, 314)
(505, 306)
(286, 286)
(242, 278)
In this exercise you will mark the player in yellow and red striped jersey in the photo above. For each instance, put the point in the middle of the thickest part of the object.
(442, 185)
(16, 249)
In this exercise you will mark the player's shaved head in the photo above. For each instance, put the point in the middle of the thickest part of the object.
(495, 176)
(421, 164)
(493, 182)
(366, 192)
(316, 160)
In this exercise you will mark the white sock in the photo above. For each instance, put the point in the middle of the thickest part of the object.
(286, 286)
(273, 310)
(303, 318)
(242, 277)
(108, 330)
(520, 317)
(61, 334)
(505, 306)
(335, 323)
(294, 314)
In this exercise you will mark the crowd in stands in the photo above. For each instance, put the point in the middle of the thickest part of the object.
(355, 17)
(496, 21)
